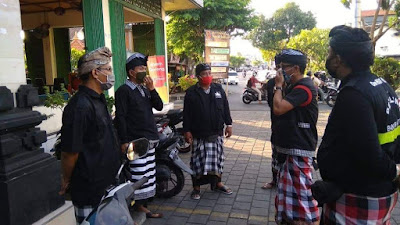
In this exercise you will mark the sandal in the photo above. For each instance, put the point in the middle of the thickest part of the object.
(224, 189)
(268, 185)
(154, 215)
(195, 194)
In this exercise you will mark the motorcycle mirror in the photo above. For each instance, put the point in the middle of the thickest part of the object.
(137, 148)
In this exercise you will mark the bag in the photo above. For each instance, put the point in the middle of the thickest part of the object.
(248, 83)
(325, 192)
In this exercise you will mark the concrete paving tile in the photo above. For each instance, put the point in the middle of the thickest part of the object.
(244, 198)
(222, 208)
(219, 216)
(241, 205)
(198, 219)
(176, 220)
(254, 211)
(211, 222)
(234, 221)
(260, 204)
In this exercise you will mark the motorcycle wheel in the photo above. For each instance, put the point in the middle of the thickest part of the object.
(167, 187)
(330, 101)
(183, 146)
(246, 99)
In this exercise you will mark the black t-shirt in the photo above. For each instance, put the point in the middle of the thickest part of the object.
(297, 96)
(87, 129)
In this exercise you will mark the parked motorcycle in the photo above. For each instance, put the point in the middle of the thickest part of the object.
(167, 123)
(331, 96)
(113, 208)
(169, 166)
(249, 95)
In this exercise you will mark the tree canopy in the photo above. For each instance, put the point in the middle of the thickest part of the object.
(285, 23)
(185, 29)
(379, 28)
(315, 43)
(237, 61)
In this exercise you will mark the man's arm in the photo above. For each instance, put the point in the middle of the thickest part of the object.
(121, 112)
(155, 99)
(68, 162)
(362, 136)
(227, 115)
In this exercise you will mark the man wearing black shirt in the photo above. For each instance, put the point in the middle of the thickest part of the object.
(90, 154)
(206, 111)
(295, 141)
(134, 103)
(360, 147)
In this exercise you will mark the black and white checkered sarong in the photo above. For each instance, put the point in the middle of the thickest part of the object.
(207, 157)
(82, 212)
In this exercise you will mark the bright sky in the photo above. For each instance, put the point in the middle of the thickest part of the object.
(328, 14)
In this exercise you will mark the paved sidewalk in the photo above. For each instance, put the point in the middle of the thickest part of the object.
(247, 168)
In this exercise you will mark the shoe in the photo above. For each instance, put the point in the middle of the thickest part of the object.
(154, 215)
(195, 195)
(224, 189)
(268, 185)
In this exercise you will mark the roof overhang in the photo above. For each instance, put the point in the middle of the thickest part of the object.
(175, 5)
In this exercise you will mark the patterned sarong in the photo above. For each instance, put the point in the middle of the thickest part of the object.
(145, 167)
(355, 209)
(294, 201)
(207, 157)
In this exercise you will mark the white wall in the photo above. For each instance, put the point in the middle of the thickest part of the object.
(388, 44)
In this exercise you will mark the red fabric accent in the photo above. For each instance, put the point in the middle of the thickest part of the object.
(309, 99)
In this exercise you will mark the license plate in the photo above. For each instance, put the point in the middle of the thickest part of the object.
(173, 153)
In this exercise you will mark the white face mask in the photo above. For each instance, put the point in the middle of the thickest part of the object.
(109, 83)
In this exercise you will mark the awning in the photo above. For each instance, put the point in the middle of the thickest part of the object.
(174, 5)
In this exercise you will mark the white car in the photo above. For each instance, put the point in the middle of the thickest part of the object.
(232, 78)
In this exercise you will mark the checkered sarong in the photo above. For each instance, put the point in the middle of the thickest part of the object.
(355, 209)
(294, 201)
(207, 157)
(82, 212)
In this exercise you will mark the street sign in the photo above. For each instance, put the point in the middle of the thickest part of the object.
(217, 52)
(220, 51)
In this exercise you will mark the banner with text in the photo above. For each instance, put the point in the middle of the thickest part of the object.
(217, 52)
(157, 71)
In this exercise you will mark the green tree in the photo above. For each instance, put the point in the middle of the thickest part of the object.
(75, 55)
(315, 43)
(379, 28)
(257, 63)
(237, 61)
(185, 29)
(285, 23)
(388, 69)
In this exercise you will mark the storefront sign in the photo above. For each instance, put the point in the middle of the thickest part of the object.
(217, 52)
(157, 71)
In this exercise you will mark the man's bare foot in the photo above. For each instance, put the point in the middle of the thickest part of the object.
(268, 185)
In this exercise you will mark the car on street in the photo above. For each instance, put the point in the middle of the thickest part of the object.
(232, 78)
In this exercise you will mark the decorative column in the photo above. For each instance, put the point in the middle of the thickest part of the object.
(29, 178)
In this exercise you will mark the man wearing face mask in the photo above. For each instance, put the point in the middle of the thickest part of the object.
(205, 112)
(134, 103)
(90, 154)
(296, 112)
(360, 147)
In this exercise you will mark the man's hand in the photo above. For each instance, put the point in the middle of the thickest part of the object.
(149, 83)
(228, 131)
(123, 147)
(188, 137)
(64, 186)
(279, 80)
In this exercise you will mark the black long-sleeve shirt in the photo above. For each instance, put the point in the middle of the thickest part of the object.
(134, 116)
(204, 114)
(350, 154)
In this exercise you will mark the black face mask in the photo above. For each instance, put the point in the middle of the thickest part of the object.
(140, 76)
(330, 70)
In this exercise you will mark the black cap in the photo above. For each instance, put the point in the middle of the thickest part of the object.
(136, 59)
(201, 67)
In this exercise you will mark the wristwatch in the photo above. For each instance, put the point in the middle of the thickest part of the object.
(277, 88)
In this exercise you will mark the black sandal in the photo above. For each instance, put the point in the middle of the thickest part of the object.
(224, 189)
